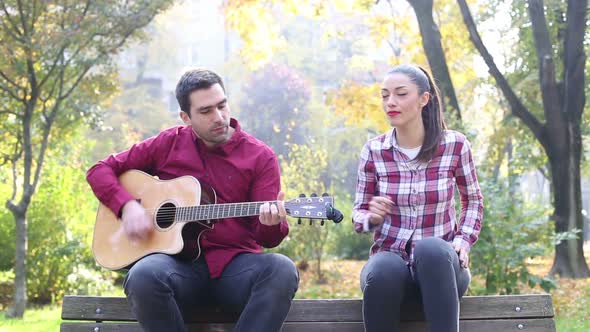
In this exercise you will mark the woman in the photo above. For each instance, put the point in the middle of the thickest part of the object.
(405, 195)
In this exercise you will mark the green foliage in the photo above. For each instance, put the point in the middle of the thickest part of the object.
(513, 231)
(61, 218)
(345, 242)
(301, 173)
(56, 69)
(6, 230)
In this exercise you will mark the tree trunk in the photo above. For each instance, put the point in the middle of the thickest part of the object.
(567, 195)
(560, 134)
(17, 308)
(431, 42)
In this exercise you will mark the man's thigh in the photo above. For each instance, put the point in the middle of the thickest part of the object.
(233, 288)
(187, 281)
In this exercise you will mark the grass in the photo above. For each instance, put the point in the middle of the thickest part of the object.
(571, 299)
(40, 319)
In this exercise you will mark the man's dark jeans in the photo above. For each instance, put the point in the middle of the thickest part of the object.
(160, 288)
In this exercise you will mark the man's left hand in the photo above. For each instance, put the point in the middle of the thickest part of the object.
(273, 214)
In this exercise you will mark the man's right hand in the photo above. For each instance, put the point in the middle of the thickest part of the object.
(379, 207)
(136, 222)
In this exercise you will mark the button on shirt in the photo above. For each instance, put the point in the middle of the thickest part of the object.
(422, 193)
(243, 169)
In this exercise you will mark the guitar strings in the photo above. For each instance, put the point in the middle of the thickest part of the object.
(214, 209)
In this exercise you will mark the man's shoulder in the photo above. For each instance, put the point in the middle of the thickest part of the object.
(252, 143)
(173, 133)
(176, 130)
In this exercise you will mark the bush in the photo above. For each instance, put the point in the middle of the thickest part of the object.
(346, 243)
(513, 231)
(6, 288)
(60, 221)
(84, 281)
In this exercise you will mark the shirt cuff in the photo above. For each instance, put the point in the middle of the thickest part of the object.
(271, 236)
(462, 243)
(363, 220)
(118, 200)
(366, 225)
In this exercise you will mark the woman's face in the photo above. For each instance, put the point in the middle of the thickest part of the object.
(402, 102)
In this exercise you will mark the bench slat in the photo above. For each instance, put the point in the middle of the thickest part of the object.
(337, 310)
(536, 325)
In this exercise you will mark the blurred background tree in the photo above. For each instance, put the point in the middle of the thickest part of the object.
(55, 70)
(302, 76)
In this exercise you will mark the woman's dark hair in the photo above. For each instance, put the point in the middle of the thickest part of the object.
(191, 80)
(432, 112)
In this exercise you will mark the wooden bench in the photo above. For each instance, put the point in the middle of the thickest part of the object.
(478, 313)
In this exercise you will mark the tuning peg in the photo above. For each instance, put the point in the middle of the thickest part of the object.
(325, 195)
(314, 195)
(299, 221)
(322, 222)
(301, 195)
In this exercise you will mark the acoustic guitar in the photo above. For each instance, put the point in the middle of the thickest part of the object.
(172, 204)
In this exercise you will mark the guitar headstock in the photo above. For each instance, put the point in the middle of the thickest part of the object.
(313, 207)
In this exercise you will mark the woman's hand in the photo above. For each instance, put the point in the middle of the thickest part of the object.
(379, 207)
(463, 255)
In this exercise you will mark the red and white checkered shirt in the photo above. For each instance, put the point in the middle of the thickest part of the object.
(422, 193)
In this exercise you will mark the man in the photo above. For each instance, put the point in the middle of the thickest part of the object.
(232, 272)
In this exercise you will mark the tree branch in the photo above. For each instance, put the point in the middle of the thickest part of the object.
(5, 111)
(575, 58)
(549, 89)
(23, 20)
(59, 55)
(435, 54)
(12, 94)
(7, 79)
(44, 143)
(14, 32)
(516, 105)
(18, 152)
(395, 50)
(13, 196)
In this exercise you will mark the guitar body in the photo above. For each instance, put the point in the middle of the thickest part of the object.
(111, 246)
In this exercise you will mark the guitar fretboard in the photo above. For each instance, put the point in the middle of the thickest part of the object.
(218, 211)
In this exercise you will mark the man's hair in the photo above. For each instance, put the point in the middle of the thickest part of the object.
(194, 79)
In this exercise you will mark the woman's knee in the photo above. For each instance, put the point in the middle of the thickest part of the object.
(433, 250)
(386, 272)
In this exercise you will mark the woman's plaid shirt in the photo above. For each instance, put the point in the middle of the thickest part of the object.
(422, 193)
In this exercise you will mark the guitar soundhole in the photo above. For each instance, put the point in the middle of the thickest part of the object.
(165, 215)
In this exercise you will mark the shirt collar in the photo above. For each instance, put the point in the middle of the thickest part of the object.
(227, 147)
(389, 141)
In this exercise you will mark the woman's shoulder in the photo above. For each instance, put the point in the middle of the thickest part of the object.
(453, 137)
(452, 143)
(382, 141)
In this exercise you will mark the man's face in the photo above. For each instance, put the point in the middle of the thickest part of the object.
(209, 115)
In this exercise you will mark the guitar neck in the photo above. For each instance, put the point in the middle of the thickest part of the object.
(218, 211)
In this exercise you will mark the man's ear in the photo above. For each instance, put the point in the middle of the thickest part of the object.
(185, 118)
